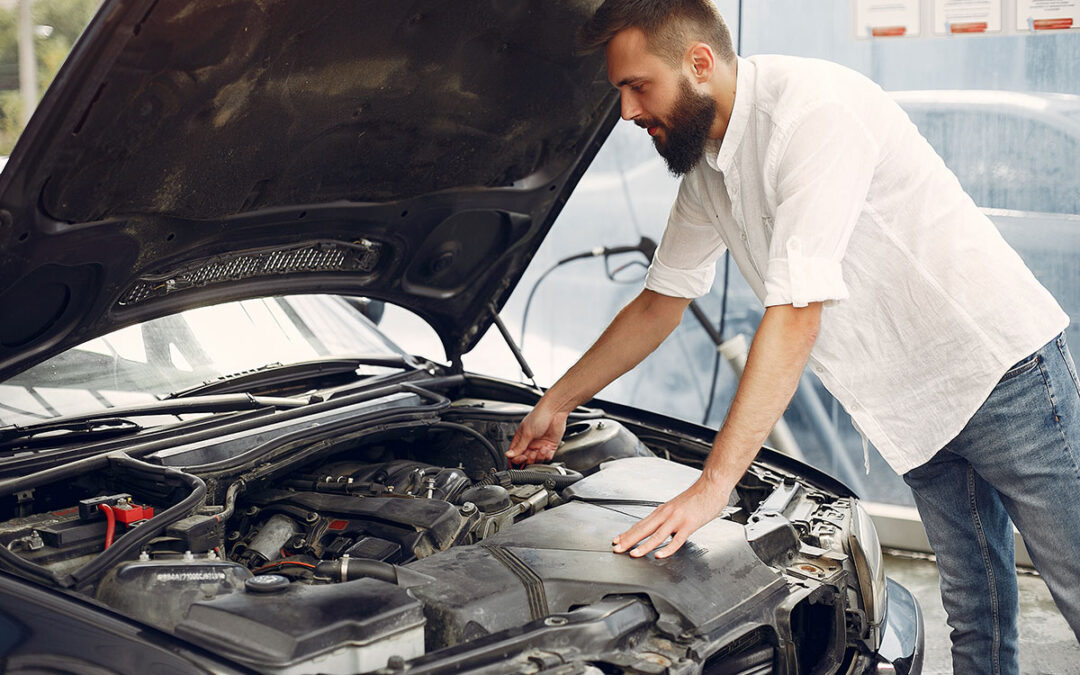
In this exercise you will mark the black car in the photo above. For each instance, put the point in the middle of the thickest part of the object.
(213, 460)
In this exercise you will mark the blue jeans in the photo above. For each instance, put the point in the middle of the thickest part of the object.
(1016, 461)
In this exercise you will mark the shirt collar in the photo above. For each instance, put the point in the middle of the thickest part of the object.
(720, 155)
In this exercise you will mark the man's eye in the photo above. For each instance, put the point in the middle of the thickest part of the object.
(637, 88)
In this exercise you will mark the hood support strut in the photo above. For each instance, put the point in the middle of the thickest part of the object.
(513, 345)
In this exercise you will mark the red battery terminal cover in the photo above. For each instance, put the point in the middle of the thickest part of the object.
(128, 513)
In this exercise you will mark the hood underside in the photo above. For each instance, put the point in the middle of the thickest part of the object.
(192, 153)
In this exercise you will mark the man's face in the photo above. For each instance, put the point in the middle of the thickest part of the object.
(661, 100)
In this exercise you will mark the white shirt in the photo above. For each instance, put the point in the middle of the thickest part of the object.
(823, 190)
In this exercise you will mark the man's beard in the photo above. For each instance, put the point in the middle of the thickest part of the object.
(685, 136)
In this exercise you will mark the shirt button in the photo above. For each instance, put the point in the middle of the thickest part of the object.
(819, 369)
(743, 236)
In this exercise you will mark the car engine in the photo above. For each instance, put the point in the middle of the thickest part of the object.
(367, 551)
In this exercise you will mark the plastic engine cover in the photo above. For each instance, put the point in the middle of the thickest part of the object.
(351, 627)
(159, 592)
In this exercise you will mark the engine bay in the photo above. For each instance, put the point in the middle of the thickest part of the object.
(412, 538)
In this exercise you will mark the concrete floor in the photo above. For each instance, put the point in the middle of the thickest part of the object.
(1047, 645)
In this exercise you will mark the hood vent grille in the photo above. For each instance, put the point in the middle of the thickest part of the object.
(312, 257)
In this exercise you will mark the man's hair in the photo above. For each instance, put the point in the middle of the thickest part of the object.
(670, 26)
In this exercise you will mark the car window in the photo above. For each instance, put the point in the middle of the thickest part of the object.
(1005, 160)
(140, 363)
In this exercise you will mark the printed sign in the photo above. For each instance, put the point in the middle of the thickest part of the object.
(952, 17)
(1047, 14)
(886, 18)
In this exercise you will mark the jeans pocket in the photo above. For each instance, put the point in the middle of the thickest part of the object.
(1063, 349)
(1025, 365)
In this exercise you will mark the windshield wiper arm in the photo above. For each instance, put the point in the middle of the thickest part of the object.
(67, 432)
(278, 374)
(114, 420)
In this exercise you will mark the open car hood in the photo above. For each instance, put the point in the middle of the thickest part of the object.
(193, 153)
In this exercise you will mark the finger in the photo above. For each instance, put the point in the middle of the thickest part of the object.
(519, 443)
(674, 545)
(658, 537)
(639, 531)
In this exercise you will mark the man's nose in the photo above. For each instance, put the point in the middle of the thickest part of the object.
(629, 106)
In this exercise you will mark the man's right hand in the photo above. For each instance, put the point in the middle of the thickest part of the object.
(633, 334)
(537, 437)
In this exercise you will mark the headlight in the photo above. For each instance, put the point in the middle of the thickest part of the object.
(865, 551)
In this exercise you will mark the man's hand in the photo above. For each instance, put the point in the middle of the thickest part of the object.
(537, 437)
(678, 519)
(781, 346)
(633, 334)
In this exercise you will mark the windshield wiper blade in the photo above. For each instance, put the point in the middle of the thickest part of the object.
(67, 432)
(114, 420)
(278, 374)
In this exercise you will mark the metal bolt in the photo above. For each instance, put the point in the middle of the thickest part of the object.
(555, 621)
(312, 517)
(467, 509)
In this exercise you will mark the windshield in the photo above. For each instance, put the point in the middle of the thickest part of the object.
(141, 363)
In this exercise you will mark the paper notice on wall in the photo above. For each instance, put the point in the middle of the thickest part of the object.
(1047, 14)
(952, 17)
(886, 18)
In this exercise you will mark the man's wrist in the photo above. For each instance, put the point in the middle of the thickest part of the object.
(554, 403)
(717, 481)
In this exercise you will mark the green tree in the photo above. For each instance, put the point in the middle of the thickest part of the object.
(61, 21)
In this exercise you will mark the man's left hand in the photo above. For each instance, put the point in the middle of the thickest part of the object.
(678, 519)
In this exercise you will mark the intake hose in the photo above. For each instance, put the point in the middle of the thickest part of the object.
(349, 569)
(529, 477)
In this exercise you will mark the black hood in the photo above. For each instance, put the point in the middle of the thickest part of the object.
(195, 152)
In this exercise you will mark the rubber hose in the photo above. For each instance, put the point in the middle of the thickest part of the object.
(529, 477)
(356, 568)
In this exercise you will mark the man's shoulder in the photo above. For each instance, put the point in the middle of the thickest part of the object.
(789, 86)
(780, 66)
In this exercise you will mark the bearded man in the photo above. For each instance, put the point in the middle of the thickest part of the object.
(877, 270)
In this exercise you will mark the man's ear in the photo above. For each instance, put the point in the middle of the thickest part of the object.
(701, 61)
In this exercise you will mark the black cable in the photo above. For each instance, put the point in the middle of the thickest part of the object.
(610, 273)
(497, 457)
(646, 247)
(719, 332)
(532, 292)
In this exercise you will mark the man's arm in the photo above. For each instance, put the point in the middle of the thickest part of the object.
(777, 357)
(632, 335)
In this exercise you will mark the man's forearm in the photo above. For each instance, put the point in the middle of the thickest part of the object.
(777, 357)
(634, 333)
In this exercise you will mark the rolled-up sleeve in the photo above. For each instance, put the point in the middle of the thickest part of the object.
(684, 264)
(822, 171)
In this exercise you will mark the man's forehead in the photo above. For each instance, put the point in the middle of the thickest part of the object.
(629, 58)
